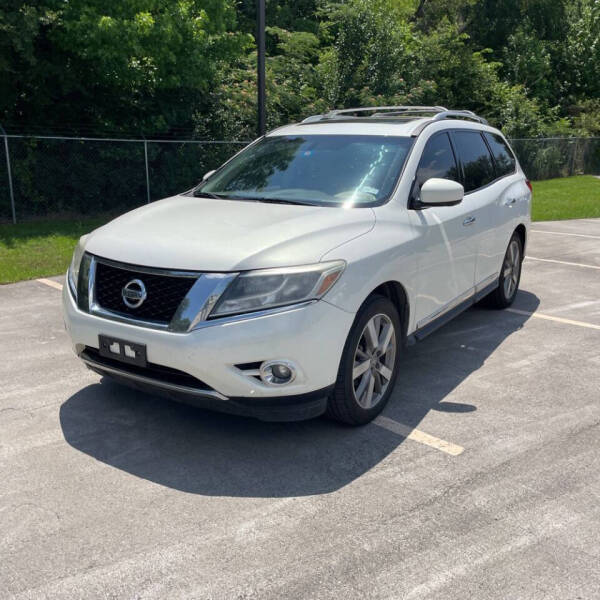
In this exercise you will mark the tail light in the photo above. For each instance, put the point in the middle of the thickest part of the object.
(529, 185)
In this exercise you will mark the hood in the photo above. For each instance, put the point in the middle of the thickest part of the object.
(202, 234)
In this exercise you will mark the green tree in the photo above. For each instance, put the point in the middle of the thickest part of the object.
(581, 67)
(369, 56)
(170, 67)
(133, 65)
(528, 61)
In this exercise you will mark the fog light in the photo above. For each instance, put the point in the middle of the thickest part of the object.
(281, 372)
(277, 372)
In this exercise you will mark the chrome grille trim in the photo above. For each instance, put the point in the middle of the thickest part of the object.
(149, 270)
(193, 309)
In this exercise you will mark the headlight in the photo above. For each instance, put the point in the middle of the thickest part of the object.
(268, 288)
(75, 263)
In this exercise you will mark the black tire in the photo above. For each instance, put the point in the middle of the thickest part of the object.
(504, 295)
(343, 404)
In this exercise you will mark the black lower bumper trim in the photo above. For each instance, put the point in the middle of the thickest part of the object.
(281, 408)
(298, 407)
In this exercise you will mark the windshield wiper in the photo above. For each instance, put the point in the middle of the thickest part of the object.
(278, 201)
(200, 194)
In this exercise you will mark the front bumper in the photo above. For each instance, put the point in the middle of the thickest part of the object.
(311, 336)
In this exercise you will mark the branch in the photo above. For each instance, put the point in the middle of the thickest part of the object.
(419, 11)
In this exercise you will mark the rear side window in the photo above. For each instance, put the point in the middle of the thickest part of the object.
(476, 159)
(505, 160)
(437, 161)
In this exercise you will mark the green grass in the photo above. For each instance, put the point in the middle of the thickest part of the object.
(566, 198)
(39, 249)
(43, 248)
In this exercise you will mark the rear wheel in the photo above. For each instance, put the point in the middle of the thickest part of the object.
(510, 274)
(369, 364)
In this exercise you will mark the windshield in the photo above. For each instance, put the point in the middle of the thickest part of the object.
(323, 170)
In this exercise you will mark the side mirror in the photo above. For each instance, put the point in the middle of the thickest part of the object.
(207, 175)
(441, 192)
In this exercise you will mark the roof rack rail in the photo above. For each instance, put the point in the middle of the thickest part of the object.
(465, 114)
(378, 111)
(400, 112)
(451, 114)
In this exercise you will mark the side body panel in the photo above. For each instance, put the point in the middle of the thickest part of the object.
(446, 250)
(481, 203)
(387, 253)
(448, 244)
(510, 208)
(438, 261)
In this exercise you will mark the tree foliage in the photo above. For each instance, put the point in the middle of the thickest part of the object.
(138, 65)
(177, 67)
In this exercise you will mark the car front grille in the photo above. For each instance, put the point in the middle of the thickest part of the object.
(164, 292)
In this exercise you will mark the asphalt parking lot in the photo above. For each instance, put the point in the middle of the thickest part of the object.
(481, 480)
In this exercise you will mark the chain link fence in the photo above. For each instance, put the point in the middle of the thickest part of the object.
(56, 176)
(60, 176)
(547, 158)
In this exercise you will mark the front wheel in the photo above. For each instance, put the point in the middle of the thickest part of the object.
(510, 275)
(369, 364)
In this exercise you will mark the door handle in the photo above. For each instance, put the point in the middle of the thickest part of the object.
(469, 221)
(510, 202)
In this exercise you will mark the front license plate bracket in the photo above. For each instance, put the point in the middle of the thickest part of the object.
(122, 350)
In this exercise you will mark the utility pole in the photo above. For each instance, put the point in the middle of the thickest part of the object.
(9, 174)
(260, 46)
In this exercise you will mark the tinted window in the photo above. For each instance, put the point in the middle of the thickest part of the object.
(505, 160)
(437, 161)
(476, 159)
(342, 170)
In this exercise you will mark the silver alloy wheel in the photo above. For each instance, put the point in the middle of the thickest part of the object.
(511, 268)
(374, 361)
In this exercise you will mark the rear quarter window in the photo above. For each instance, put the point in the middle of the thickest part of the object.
(476, 159)
(503, 156)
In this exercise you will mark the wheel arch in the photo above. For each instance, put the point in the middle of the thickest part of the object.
(394, 291)
(521, 231)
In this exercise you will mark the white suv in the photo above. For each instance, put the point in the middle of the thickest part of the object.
(286, 284)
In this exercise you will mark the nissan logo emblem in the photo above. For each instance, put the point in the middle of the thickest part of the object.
(134, 293)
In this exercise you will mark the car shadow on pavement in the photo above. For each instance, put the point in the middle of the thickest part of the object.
(202, 452)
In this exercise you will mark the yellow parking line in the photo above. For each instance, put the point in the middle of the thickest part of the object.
(563, 262)
(583, 235)
(52, 284)
(418, 436)
(551, 318)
